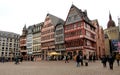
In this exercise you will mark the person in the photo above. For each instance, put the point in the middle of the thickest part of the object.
(104, 60)
(32, 58)
(78, 60)
(3, 59)
(111, 61)
(21, 59)
(66, 59)
(81, 60)
(94, 58)
(90, 57)
(86, 60)
(16, 60)
(117, 58)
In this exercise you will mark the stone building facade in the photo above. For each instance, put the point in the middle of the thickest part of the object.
(111, 36)
(100, 42)
(9, 44)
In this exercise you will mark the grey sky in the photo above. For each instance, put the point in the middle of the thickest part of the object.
(14, 14)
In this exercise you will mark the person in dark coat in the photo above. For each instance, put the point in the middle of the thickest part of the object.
(16, 60)
(3, 59)
(21, 59)
(94, 58)
(81, 60)
(32, 58)
(78, 60)
(104, 60)
(66, 59)
(111, 61)
(90, 58)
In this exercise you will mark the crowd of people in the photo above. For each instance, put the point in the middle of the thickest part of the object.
(16, 59)
(84, 60)
(80, 59)
(20, 59)
(110, 59)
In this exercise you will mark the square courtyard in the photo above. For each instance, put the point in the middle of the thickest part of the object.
(56, 68)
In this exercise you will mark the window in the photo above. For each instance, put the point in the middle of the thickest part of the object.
(75, 17)
(59, 32)
(2, 53)
(58, 39)
(75, 26)
(79, 24)
(88, 43)
(87, 26)
(3, 48)
(93, 36)
(69, 19)
(59, 26)
(88, 33)
(79, 32)
(10, 39)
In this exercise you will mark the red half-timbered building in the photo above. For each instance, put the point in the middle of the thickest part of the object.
(23, 48)
(80, 36)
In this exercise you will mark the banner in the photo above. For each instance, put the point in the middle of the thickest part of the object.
(114, 45)
(119, 47)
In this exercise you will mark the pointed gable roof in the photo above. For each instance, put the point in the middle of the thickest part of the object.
(24, 28)
(82, 14)
(55, 20)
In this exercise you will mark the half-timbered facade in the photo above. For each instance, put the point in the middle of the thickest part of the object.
(23, 47)
(48, 35)
(79, 33)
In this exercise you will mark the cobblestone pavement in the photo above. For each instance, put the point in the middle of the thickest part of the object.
(56, 68)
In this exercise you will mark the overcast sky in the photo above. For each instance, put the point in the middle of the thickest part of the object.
(14, 14)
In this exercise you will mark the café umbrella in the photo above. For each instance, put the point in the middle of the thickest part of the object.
(54, 53)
